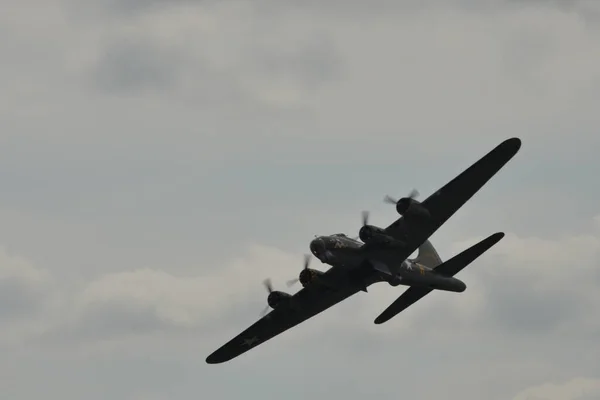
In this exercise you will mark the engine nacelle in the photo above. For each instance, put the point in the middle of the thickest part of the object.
(411, 208)
(277, 299)
(309, 276)
(368, 233)
(395, 281)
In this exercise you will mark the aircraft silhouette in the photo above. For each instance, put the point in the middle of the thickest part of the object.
(382, 256)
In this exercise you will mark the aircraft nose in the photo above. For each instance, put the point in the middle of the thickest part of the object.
(317, 246)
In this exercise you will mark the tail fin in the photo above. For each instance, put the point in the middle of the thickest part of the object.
(428, 256)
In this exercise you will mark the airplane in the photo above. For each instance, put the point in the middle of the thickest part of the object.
(381, 255)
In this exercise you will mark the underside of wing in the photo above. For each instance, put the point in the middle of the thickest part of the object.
(305, 304)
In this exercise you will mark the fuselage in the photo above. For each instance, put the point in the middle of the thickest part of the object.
(340, 251)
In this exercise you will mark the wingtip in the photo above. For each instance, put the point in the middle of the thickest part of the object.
(513, 143)
(498, 235)
(213, 359)
(491, 240)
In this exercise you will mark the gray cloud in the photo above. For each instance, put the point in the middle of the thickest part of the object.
(18, 298)
(201, 69)
(129, 66)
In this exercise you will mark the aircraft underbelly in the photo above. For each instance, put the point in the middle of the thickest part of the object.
(432, 281)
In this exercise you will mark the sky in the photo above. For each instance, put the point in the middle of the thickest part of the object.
(159, 160)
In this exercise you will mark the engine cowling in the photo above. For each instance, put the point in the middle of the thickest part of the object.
(277, 299)
(411, 208)
(309, 276)
(368, 233)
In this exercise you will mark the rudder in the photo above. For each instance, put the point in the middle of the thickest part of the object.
(428, 256)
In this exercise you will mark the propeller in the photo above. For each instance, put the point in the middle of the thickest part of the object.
(365, 221)
(412, 195)
(265, 311)
(365, 218)
(292, 282)
(269, 287)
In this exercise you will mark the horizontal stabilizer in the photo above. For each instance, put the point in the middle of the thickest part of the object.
(460, 261)
(449, 268)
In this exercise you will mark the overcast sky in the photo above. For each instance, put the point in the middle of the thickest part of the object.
(159, 161)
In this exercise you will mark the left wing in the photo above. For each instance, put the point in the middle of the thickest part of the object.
(447, 200)
(441, 205)
(305, 304)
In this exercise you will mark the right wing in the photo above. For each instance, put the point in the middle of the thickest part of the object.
(449, 268)
(307, 303)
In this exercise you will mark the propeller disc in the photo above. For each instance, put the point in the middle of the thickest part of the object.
(292, 282)
(268, 285)
(412, 195)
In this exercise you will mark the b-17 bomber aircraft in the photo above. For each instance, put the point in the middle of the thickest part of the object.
(380, 256)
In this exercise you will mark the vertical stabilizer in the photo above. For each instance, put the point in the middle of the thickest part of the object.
(428, 256)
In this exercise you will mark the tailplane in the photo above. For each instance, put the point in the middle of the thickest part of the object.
(427, 256)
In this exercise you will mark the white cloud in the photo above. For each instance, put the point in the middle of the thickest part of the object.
(28, 299)
(225, 283)
(517, 287)
(137, 309)
(145, 301)
(23, 288)
(574, 389)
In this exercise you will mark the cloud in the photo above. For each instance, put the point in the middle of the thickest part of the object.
(130, 66)
(23, 288)
(143, 302)
(574, 389)
(141, 307)
(518, 288)
(186, 82)
(175, 51)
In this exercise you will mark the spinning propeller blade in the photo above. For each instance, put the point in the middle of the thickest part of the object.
(268, 285)
(365, 221)
(292, 282)
(412, 195)
(265, 311)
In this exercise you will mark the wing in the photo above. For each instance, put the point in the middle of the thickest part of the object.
(447, 200)
(449, 268)
(305, 304)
